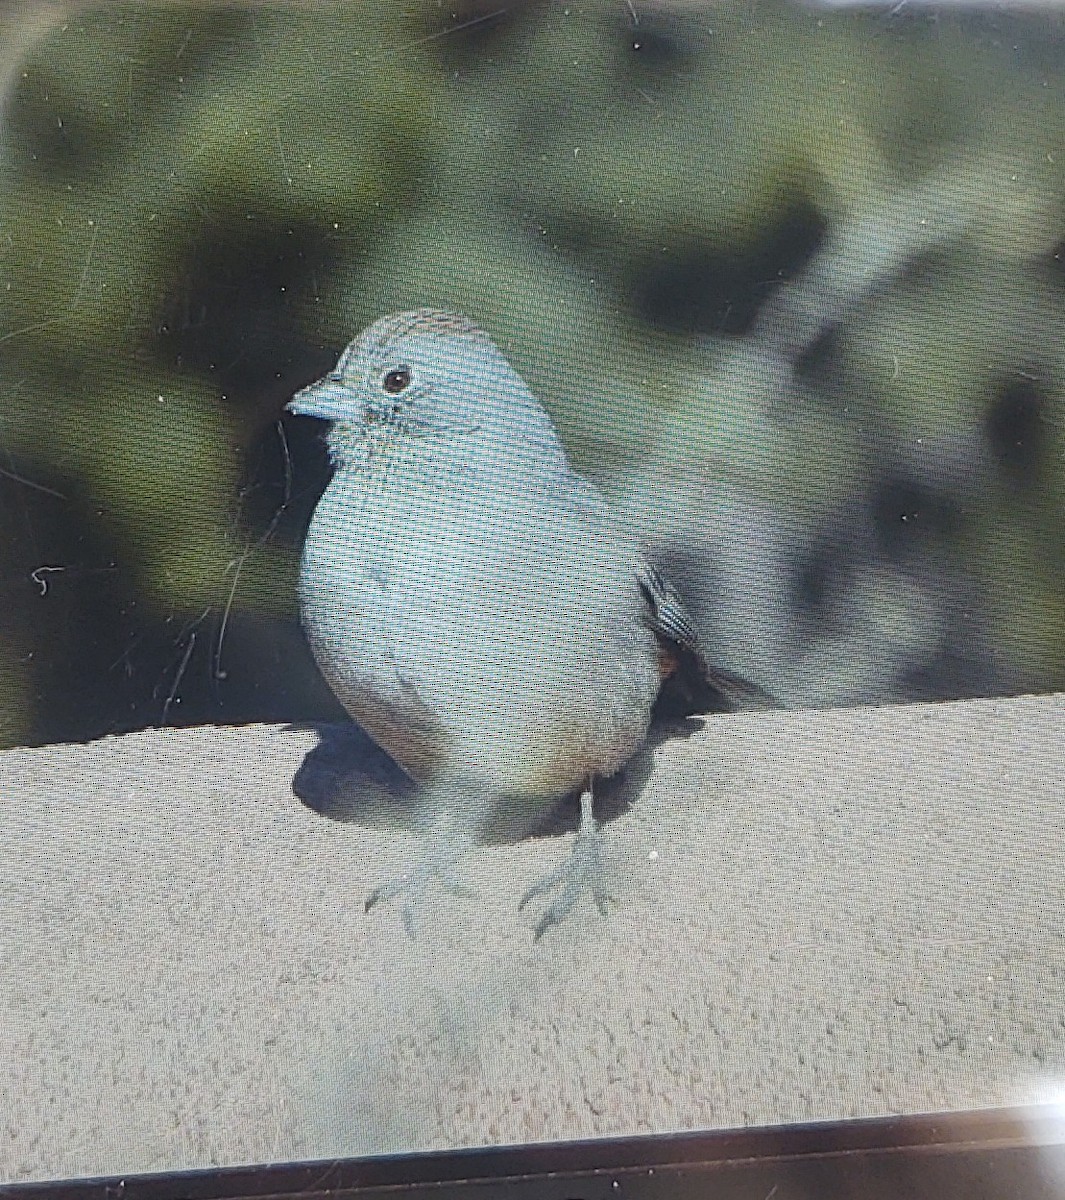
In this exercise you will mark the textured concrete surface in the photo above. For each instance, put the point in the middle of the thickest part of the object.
(819, 914)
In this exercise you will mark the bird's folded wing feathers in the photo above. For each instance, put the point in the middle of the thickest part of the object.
(672, 624)
(669, 619)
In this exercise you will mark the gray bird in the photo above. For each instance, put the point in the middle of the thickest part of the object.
(477, 606)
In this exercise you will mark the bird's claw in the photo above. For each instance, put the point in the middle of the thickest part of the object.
(413, 886)
(582, 870)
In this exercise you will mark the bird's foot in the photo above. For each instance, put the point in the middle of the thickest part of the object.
(435, 865)
(582, 870)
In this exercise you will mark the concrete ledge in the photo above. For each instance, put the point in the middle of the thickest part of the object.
(820, 915)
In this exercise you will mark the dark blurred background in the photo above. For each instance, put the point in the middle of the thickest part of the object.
(789, 279)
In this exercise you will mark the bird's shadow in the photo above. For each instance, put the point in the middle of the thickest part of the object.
(348, 777)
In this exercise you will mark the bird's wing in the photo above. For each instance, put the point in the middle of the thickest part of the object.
(692, 684)
(706, 687)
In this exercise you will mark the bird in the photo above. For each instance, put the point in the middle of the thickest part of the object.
(478, 607)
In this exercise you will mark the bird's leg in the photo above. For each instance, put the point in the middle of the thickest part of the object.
(583, 869)
(453, 829)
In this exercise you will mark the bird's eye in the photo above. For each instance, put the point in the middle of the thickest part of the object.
(396, 381)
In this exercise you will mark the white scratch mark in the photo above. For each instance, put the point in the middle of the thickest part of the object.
(237, 565)
(31, 329)
(179, 676)
(39, 487)
(281, 154)
(371, 59)
(85, 268)
(38, 577)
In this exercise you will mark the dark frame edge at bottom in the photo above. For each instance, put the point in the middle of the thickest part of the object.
(1028, 1131)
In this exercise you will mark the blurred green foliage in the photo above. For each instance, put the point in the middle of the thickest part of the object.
(200, 205)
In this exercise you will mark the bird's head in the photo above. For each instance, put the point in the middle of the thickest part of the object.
(426, 374)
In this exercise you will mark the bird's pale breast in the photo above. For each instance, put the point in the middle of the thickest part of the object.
(479, 626)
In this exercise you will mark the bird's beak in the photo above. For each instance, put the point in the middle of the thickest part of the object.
(328, 400)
